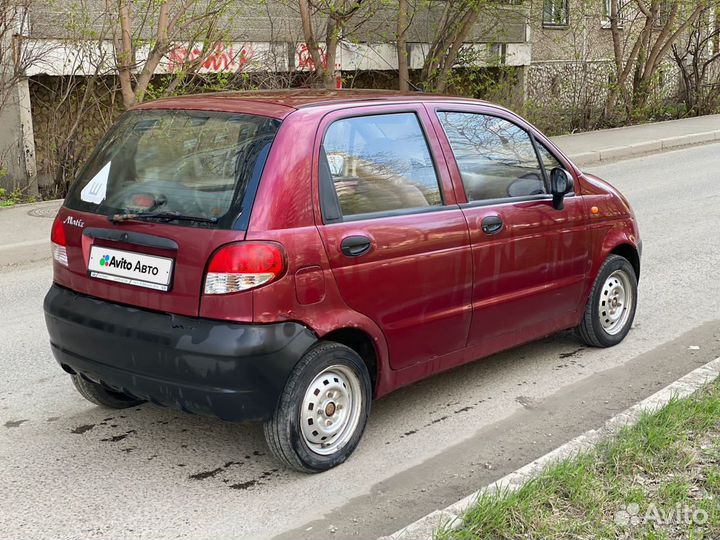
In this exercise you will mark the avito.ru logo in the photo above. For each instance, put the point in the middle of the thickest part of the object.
(124, 264)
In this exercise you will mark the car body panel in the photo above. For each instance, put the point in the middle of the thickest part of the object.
(433, 293)
(415, 282)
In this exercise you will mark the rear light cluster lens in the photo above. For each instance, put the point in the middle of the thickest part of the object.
(58, 242)
(243, 266)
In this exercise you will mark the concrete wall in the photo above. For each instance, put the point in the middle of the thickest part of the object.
(585, 38)
(279, 20)
(17, 147)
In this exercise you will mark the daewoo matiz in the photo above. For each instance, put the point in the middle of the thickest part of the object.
(287, 257)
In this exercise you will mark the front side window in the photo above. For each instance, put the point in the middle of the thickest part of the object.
(555, 13)
(496, 158)
(192, 163)
(549, 161)
(380, 163)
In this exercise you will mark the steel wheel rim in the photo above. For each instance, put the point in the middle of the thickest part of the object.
(616, 302)
(330, 410)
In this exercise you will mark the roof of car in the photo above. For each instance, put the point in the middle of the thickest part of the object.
(280, 103)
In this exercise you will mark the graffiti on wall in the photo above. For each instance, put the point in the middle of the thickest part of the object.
(222, 58)
(304, 60)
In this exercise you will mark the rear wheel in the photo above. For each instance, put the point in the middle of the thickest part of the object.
(322, 412)
(99, 395)
(611, 308)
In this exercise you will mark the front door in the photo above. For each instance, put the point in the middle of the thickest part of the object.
(530, 260)
(396, 240)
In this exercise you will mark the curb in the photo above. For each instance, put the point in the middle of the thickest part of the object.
(644, 148)
(451, 517)
(36, 203)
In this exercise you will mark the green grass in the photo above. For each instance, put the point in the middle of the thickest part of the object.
(16, 196)
(668, 460)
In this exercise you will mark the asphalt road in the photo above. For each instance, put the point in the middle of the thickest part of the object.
(69, 469)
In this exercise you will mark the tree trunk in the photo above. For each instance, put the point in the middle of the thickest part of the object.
(455, 24)
(402, 52)
(310, 39)
(124, 54)
(332, 37)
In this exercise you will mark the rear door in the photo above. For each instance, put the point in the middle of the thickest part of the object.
(162, 192)
(396, 240)
(530, 260)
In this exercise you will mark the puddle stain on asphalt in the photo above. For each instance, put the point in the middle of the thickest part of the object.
(79, 430)
(440, 419)
(14, 423)
(206, 474)
(246, 484)
(571, 353)
(116, 438)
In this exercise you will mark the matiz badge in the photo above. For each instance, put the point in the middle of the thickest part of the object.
(74, 222)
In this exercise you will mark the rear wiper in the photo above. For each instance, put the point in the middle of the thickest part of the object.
(158, 216)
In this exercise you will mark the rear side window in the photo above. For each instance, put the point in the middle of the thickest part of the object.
(194, 163)
(496, 158)
(380, 163)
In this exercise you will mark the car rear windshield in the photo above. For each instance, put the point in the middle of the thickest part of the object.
(184, 167)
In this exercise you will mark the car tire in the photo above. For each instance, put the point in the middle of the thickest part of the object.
(610, 310)
(99, 395)
(321, 414)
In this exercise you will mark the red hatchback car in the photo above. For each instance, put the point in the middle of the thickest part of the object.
(286, 257)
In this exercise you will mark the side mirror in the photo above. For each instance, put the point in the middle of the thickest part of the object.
(561, 183)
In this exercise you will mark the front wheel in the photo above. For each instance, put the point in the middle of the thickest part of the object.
(322, 412)
(611, 308)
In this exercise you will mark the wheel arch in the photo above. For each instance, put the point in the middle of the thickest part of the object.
(629, 252)
(364, 345)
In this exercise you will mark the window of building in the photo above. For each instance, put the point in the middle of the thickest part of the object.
(607, 11)
(556, 13)
(380, 163)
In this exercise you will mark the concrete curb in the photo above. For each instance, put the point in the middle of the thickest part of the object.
(36, 203)
(451, 517)
(644, 148)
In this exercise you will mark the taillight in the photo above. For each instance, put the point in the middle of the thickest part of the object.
(58, 242)
(243, 266)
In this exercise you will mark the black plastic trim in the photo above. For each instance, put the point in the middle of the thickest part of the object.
(329, 201)
(129, 237)
(233, 371)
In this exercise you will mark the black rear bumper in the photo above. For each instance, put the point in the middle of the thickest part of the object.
(232, 371)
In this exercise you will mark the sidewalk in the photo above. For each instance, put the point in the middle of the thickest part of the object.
(625, 142)
(25, 232)
(25, 229)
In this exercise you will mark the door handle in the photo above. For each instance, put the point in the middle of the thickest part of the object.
(492, 224)
(356, 245)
